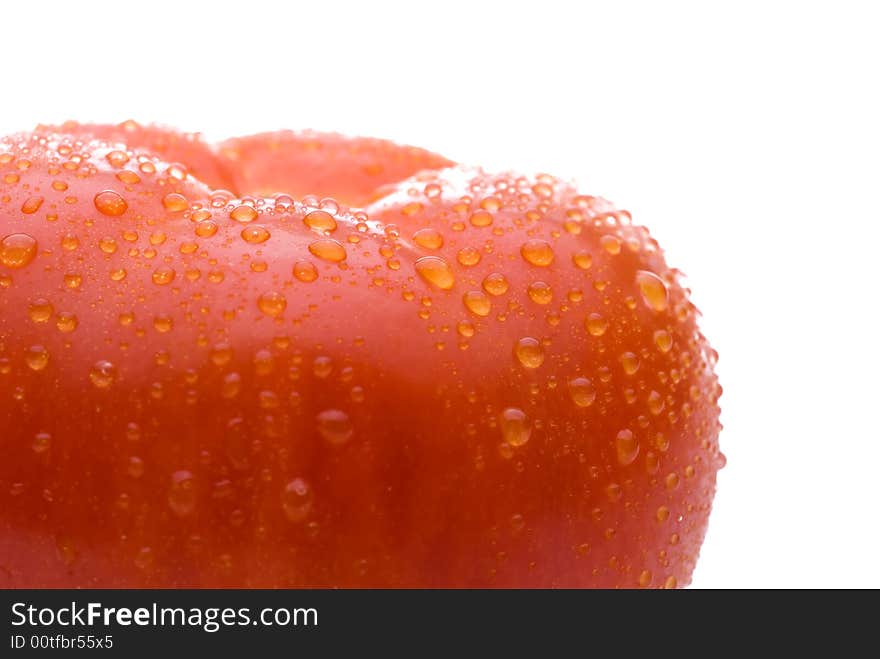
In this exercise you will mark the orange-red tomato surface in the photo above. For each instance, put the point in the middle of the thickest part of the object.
(301, 359)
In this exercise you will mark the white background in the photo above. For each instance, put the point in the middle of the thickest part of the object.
(745, 135)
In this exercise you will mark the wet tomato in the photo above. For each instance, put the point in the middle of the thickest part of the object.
(298, 359)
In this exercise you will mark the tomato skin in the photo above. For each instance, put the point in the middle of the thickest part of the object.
(249, 411)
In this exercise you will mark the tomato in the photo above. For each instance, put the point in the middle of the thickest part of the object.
(477, 380)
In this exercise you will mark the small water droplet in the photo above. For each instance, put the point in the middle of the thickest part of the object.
(305, 271)
(481, 218)
(135, 467)
(66, 322)
(655, 403)
(206, 228)
(477, 303)
(42, 442)
(596, 324)
(468, 256)
(175, 202)
(182, 494)
(630, 363)
(244, 213)
(582, 391)
(610, 244)
(255, 234)
(663, 340)
(627, 447)
(529, 352)
(31, 205)
(163, 323)
(335, 426)
(429, 238)
(117, 158)
(163, 275)
(37, 357)
(515, 426)
(103, 374)
(107, 245)
(296, 500)
(466, 328)
(435, 271)
(540, 292)
(496, 284)
(272, 303)
(322, 367)
(582, 259)
(40, 310)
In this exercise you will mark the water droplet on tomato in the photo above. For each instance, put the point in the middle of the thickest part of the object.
(296, 500)
(627, 447)
(653, 289)
(537, 252)
(103, 374)
(328, 250)
(582, 391)
(305, 271)
(17, 250)
(477, 303)
(182, 494)
(515, 426)
(272, 303)
(335, 426)
(496, 284)
(436, 271)
(110, 203)
(320, 221)
(529, 352)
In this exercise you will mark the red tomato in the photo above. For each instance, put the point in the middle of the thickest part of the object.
(480, 380)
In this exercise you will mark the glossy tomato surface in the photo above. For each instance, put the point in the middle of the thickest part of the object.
(298, 359)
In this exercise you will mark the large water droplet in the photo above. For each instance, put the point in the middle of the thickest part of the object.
(320, 221)
(653, 289)
(17, 250)
(110, 203)
(429, 238)
(537, 252)
(328, 250)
